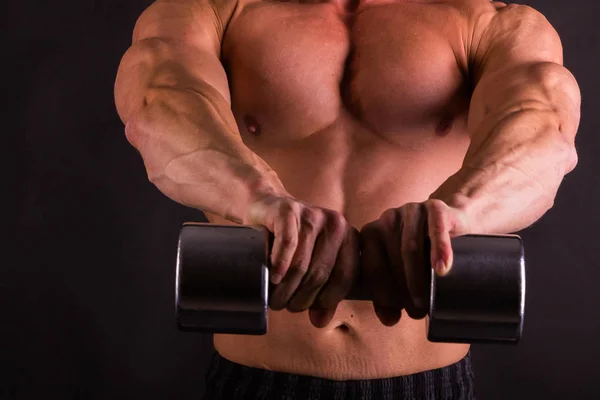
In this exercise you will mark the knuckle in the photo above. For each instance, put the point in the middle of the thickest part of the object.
(289, 207)
(337, 223)
(389, 214)
(390, 219)
(311, 219)
(411, 207)
(436, 220)
(411, 215)
(435, 205)
(289, 240)
(308, 225)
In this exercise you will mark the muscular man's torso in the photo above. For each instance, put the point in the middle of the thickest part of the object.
(359, 107)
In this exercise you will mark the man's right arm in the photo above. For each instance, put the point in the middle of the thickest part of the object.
(172, 94)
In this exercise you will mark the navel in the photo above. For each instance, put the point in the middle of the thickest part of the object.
(252, 125)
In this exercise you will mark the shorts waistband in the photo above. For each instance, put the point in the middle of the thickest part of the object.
(231, 381)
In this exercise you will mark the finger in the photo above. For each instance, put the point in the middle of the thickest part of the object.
(332, 231)
(392, 237)
(340, 281)
(284, 246)
(413, 257)
(439, 227)
(321, 317)
(344, 273)
(394, 241)
(377, 275)
(299, 266)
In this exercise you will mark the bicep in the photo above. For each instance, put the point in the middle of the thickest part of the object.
(176, 44)
(515, 61)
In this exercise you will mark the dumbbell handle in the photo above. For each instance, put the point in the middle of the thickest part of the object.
(359, 291)
(480, 253)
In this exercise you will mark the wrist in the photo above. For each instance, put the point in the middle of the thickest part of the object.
(465, 205)
(261, 185)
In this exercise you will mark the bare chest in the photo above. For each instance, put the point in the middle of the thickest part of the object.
(396, 66)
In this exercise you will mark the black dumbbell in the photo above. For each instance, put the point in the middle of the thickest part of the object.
(222, 285)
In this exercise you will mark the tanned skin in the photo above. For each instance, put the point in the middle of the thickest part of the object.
(340, 126)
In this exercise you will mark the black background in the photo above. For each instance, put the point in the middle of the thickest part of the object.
(87, 283)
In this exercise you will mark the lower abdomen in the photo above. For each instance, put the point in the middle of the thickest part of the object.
(355, 345)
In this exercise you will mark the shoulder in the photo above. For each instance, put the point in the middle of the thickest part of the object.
(484, 11)
(483, 14)
(184, 16)
(488, 25)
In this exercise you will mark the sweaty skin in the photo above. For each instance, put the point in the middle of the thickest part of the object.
(354, 106)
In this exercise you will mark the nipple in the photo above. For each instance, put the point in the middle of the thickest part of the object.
(445, 126)
(252, 125)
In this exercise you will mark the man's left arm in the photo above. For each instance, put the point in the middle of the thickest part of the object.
(523, 118)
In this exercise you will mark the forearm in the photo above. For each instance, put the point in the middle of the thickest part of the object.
(196, 157)
(523, 132)
(183, 127)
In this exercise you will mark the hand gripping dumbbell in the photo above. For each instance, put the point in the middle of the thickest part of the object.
(222, 285)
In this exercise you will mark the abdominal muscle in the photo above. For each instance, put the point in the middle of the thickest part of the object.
(347, 168)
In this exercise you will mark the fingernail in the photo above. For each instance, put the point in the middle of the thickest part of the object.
(440, 266)
(275, 279)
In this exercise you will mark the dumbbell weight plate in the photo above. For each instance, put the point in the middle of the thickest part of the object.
(482, 298)
(222, 279)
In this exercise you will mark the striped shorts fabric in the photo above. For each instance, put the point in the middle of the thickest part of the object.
(226, 380)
